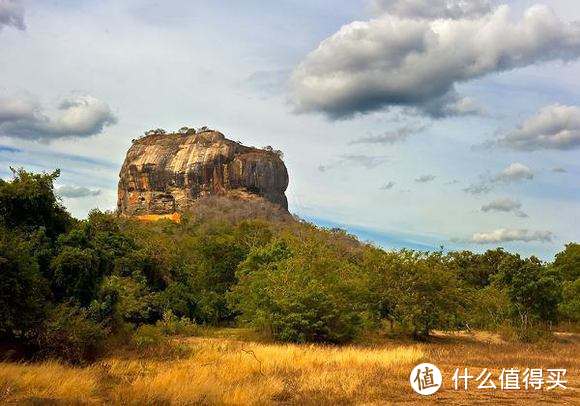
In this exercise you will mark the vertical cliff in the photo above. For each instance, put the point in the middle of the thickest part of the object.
(165, 173)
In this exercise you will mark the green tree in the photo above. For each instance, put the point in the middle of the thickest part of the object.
(425, 293)
(569, 308)
(28, 202)
(567, 266)
(533, 288)
(75, 274)
(299, 290)
(567, 262)
(23, 290)
(477, 270)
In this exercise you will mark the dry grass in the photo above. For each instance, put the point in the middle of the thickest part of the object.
(226, 370)
(236, 372)
(49, 380)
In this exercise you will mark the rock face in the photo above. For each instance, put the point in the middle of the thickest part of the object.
(165, 173)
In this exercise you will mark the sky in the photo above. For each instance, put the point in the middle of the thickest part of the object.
(410, 123)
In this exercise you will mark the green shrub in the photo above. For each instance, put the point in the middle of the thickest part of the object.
(172, 325)
(151, 342)
(525, 333)
(148, 337)
(134, 303)
(68, 334)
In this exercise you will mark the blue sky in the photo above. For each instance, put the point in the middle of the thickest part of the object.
(80, 79)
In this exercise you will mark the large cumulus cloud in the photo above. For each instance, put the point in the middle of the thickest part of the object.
(76, 116)
(553, 127)
(12, 14)
(396, 60)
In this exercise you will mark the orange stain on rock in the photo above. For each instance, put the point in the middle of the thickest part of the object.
(175, 217)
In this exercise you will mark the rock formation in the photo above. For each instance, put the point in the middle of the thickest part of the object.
(165, 173)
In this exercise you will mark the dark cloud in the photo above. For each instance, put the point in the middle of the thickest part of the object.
(425, 179)
(553, 127)
(12, 14)
(388, 186)
(505, 205)
(389, 137)
(559, 170)
(478, 188)
(413, 62)
(75, 192)
(78, 116)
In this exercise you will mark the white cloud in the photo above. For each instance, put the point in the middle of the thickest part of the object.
(432, 8)
(12, 14)
(514, 173)
(553, 127)
(78, 116)
(74, 192)
(508, 235)
(401, 61)
(425, 179)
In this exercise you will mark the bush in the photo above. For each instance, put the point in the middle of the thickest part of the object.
(516, 332)
(150, 342)
(172, 325)
(70, 335)
(148, 337)
(133, 302)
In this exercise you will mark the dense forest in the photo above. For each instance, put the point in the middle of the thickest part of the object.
(69, 288)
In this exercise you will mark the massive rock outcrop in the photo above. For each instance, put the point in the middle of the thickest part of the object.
(165, 173)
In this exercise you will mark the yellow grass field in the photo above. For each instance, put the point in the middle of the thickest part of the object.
(227, 367)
